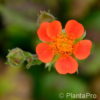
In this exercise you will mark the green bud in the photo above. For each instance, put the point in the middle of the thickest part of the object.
(45, 17)
(16, 57)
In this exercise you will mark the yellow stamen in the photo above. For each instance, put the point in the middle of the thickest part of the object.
(63, 45)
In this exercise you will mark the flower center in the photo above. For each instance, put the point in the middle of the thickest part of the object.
(63, 45)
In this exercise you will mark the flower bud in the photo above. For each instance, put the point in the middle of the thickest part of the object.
(16, 57)
(45, 17)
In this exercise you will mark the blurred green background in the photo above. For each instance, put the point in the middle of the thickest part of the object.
(18, 25)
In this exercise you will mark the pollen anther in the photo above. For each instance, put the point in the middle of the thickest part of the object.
(62, 44)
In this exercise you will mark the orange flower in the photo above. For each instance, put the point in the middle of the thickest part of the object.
(62, 42)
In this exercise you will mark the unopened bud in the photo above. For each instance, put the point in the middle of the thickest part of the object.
(16, 57)
(45, 17)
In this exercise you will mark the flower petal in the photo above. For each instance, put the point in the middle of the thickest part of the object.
(82, 49)
(66, 65)
(54, 28)
(42, 32)
(44, 52)
(74, 29)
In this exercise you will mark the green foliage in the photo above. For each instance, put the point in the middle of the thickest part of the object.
(16, 19)
(54, 84)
